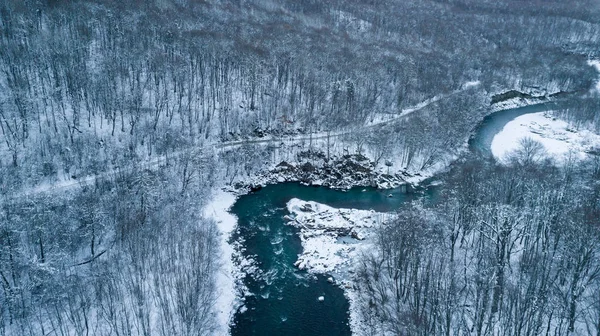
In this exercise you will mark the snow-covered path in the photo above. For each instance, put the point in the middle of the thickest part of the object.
(211, 147)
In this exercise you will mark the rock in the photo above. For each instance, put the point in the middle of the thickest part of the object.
(283, 165)
(387, 177)
(259, 132)
(255, 188)
(593, 151)
(321, 298)
(308, 167)
(307, 208)
(330, 280)
(300, 264)
(356, 235)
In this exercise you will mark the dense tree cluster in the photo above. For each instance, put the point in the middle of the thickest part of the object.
(583, 116)
(87, 86)
(130, 255)
(502, 251)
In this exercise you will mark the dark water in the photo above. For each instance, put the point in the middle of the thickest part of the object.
(284, 300)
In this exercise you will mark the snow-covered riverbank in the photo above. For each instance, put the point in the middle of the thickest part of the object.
(229, 277)
(560, 141)
(333, 241)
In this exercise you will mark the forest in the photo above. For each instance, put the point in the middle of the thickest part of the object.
(123, 105)
(502, 251)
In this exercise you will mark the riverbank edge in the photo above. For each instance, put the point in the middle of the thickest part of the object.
(230, 287)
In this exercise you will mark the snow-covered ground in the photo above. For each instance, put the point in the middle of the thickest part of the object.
(560, 141)
(228, 277)
(332, 241)
(329, 236)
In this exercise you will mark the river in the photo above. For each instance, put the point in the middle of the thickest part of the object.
(284, 300)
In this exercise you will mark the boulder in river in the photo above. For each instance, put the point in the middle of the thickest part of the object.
(255, 187)
(283, 165)
(308, 167)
